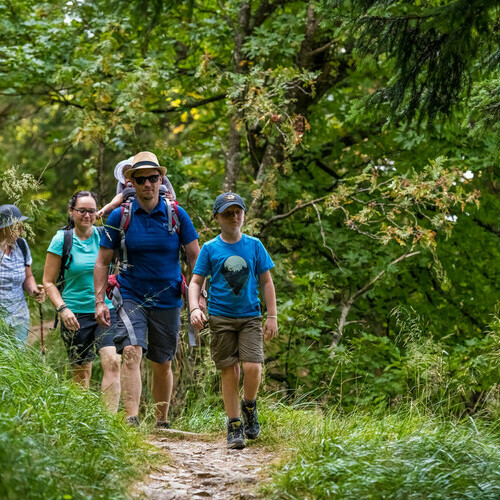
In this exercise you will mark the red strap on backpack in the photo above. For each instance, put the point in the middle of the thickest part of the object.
(184, 287)
(112, 282)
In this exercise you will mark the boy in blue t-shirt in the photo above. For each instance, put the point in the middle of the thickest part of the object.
(237, 264)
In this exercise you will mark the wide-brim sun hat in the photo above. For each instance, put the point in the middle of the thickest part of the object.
(142, 161)
(10, 215)
(119, 169)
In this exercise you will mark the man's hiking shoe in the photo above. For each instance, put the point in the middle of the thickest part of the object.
(161, 424)
(235, 437)
(133, 421)
(252, 426)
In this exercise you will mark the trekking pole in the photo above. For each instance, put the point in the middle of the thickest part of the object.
(42, 340)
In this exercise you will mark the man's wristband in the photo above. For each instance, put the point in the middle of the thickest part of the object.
(61, 308)
(194, 309)
(275, 317)
(99, 302)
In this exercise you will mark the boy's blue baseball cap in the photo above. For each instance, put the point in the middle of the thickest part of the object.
(225, 200)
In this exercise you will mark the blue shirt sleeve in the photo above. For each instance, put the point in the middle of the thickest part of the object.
(264, 261)
(188, 232)
(111, 235)
(56, 245)
(202, 266)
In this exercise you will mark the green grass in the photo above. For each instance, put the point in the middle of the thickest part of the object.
(56, 440)
(397, 455)
(402, 454)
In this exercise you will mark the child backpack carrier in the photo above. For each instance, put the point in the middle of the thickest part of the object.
(174, 223)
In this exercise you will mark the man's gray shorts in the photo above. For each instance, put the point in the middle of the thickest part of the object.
(155, 330)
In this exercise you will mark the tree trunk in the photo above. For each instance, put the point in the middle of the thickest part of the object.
(100, 172)
(273, 154)
(233, 154)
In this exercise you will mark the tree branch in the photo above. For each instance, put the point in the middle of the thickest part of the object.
(190, 105)
(293, 210)
(172, 109)
(266, 9)
(326, 46)
(335, 259)
(346, 305)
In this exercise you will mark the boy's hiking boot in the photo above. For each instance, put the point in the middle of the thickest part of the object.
(249, 412)
(133, 421)
(235, 436)
(161, 424)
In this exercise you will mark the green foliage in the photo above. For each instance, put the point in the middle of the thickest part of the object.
(404, 452)
(20, 189)
(435, 48)
(58, 441)
(337, 190)
(398, 455)
(485, 106)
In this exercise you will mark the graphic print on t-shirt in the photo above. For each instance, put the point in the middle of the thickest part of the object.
(235, 270)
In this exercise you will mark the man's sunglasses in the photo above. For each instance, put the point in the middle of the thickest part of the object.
(83, 211)
(151, 178)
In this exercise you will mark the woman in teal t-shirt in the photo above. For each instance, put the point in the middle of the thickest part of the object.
(81, 333)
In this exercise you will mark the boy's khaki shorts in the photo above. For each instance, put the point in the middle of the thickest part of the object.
(236, 339)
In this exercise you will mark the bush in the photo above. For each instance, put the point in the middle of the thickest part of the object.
(399, 455)
(56, 440)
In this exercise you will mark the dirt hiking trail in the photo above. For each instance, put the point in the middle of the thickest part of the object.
(204, 468)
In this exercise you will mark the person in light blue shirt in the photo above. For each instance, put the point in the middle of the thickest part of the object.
(16, 276)
(237, 264)
(78, 291)
(234, 269)
(81, 333)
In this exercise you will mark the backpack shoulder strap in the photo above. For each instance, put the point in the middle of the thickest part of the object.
(174, 222)
(176, 217)
(66, 256)
(23, 245)
(125, 217)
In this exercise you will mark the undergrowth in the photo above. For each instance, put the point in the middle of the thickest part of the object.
(406, 452)
(400, 454)
(56, 440)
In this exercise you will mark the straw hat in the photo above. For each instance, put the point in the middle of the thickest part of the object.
(142, 161)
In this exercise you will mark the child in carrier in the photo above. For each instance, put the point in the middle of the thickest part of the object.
(124, 188)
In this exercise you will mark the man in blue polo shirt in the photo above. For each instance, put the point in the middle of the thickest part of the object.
(150, 286)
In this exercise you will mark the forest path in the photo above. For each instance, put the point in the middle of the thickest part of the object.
(203, 467)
